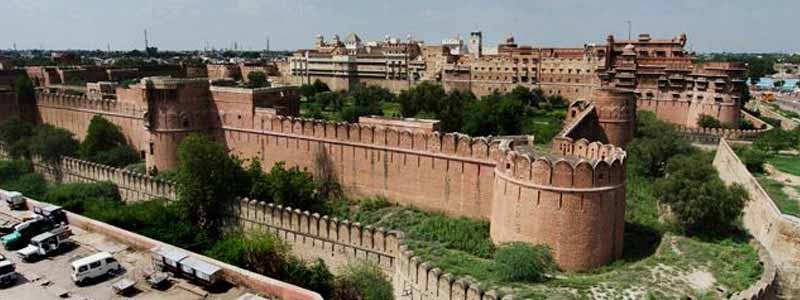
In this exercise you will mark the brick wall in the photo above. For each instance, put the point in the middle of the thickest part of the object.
(779, 233)
(132, 186)
(451, 173)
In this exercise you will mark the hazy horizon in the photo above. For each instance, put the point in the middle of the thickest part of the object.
(712, 26)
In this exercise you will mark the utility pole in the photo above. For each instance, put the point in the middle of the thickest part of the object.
(630, 25)
(146, 42)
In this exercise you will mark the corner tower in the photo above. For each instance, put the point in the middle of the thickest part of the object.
(616, 111)
(175, 109)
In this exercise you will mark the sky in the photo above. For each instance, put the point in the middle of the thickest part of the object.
(712, 26)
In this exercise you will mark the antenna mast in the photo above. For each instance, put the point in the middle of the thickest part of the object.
(146, 43)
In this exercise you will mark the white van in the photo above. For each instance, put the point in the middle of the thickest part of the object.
(93, 266)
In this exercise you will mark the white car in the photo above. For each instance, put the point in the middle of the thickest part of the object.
(93, 266)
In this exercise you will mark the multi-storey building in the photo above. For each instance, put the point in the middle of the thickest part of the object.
(392, 63)
(662, 74)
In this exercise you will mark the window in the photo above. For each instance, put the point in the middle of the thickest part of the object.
(152, 148)
(94, 265)
(83, 269)
(110, 260)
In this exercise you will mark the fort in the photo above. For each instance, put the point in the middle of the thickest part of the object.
(662, 73)
(575, 190)
(569, 196)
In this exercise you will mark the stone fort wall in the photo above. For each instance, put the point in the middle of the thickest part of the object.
(132, 186)
(574, 204)
(74, 113)
(450, 173)
(340, 242)
(779, 233)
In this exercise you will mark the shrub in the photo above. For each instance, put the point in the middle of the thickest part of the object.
(31, 185)
(257, 79)
(14, 134)
(51, 143)
(208, 179)
(753, 159)
(259, 251)
(363, 281)
(13, 169)
(119, 156)
(522, 262)
(706, 121)
(699, 200)
(75, 196)
(656, 141)
(776, 140)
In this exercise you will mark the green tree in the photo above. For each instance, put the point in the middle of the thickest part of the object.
(521, 262)
(119, 156)
(425, 97)
(522, 94)
(364, 281)
(14, 134)
(24, 89)
(776, 140)
(258, 251)
(656, 141)
(753, 158)
(334, 100)
(451, 110)
(700, 201)
(778, 83)
(51, 143)
(101, 135)
(208, 180)
(292, 187)
(257, 79)
(320, 87)
(706, 121)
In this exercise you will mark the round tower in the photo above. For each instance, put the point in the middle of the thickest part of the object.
(574, 203)
(175, 108)
(616, 111)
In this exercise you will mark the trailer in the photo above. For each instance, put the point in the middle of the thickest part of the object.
(200, 271)
(8, 273)
(168, 258)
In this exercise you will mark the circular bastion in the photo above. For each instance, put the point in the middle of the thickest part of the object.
(572, 201)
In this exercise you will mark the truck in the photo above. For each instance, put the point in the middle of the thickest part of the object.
(51, 212)
(15, 200)
(24, 231)
(8, 273)
(45, 244)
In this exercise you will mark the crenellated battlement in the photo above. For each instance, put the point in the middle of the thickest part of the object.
(578, 164)
(341, 241)
(451, 144)
(82, 102)
(132, 186)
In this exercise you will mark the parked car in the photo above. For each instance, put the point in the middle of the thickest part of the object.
(8, 273)
(24, 231)
(94, 266)
(51, 212)
(15, 200)
(46, 244)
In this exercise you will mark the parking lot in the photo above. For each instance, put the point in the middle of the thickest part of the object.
(50, 278)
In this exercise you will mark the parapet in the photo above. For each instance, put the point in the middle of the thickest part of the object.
(571, 164)
(449, 144)
(82, 102)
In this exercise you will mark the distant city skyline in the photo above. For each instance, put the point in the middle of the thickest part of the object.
(712, 26)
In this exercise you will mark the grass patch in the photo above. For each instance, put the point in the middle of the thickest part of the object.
(786, 163)
(655, 260)
(774, 188)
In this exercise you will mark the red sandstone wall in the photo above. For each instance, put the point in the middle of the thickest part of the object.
(74, 113)
(577, 208)
(449, 173)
